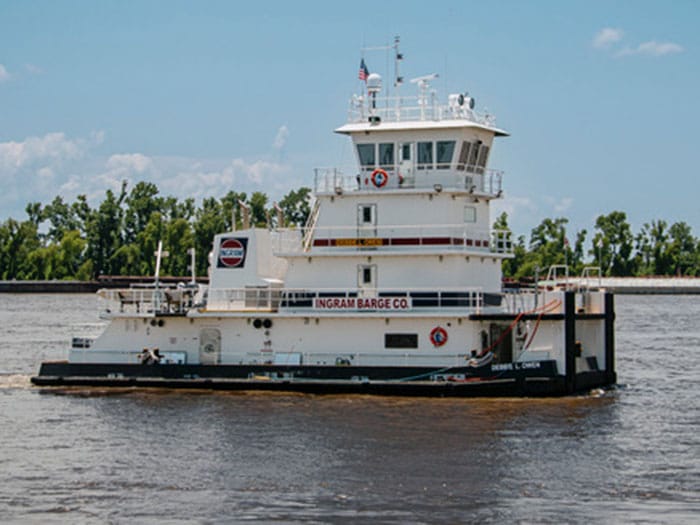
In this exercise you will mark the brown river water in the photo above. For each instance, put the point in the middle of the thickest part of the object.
(631, 455)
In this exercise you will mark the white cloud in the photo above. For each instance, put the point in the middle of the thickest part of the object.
(205, 179)
(606, 37)
(651, 48)
(130, 162)
(516, 207)
(560, 205)
(39, 168)
(281, 138)
(45, 172)
(52, 148)
(121, 167)
(4, 74)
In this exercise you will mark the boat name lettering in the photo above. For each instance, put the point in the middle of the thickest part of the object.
(362, 303)
(528, 365)
(358, 242)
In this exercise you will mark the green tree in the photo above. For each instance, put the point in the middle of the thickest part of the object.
(296, 206)
(613, 243)
(178, 238)
(61, 219)
(103, 233)
(17, 241)
(548, 243)
(141, 203)
(229, 207)
(258, 210)
(209, 220)
(510, 267)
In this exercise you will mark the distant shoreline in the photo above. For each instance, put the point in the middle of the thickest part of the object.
(84, 286)
(618, 285)
(649, 285)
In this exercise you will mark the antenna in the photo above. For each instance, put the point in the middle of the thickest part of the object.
(424, 79)
(398, 57)
(423, 85)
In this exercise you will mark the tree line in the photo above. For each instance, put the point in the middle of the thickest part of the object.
(72, 240)
(658, 248)
(120, 236)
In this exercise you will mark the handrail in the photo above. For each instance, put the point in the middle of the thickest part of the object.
(147, 301)
(310, 225)
(342, 299)
(413, 108)
(399, 236)
(452, 300)
(476, 180)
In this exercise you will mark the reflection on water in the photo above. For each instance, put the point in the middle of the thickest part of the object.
(106, 455)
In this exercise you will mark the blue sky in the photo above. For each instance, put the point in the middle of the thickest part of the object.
(601, 98)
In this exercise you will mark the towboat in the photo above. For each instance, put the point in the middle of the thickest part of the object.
(393, 286)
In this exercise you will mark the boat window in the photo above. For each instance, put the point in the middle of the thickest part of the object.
(400, 340)
(469, 214)
(473, 156)
(386, 156)
(366, 153)
(406, 151)
(463, 155)
(366, 275)
(483, 156)
(367, 215)
(425, 155)
(445, 149)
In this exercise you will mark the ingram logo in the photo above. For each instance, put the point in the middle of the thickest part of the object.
(232, 253)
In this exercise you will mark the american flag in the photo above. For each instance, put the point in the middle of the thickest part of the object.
(364, 72)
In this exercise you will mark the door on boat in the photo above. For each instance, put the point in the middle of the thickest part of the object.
(367, 280)
(210, 346)
(503, 351)
(366, 221)
(407, 176)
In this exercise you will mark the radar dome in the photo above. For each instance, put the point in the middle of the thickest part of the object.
(374, 83)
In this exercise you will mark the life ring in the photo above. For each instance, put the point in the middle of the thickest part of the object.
(379, 178)
(438, 336)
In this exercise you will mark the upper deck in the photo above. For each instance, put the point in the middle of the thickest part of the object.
(415, 113)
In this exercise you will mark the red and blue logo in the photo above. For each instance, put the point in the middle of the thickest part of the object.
(232, 253)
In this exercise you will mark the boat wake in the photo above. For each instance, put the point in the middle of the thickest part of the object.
(15, 381)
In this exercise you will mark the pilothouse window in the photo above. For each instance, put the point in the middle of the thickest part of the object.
(483, 156)
(464, 155)
(473, 156)
(386, 156)
(366, 154)
(445, 150)
(425, 155)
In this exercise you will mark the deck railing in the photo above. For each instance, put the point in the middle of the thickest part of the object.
(392, 237)
(414, 108)
(344, 300)
(476, 180)
(396, 301)
(147, 300)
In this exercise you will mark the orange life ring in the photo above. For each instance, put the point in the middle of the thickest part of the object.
(379, 178)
